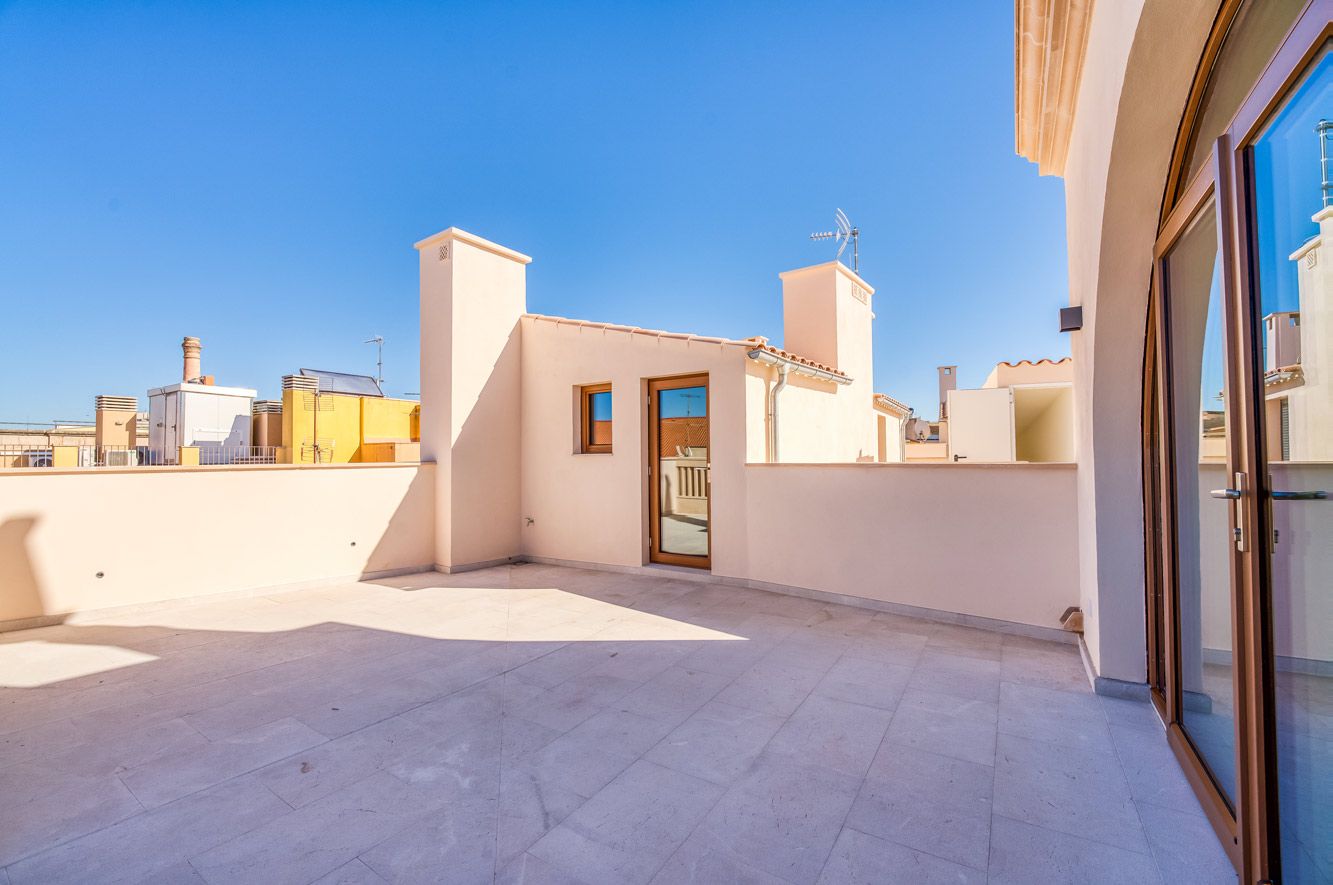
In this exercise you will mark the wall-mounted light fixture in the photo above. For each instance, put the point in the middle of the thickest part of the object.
(1071, 318)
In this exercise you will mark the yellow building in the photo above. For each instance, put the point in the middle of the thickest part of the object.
(332, 418)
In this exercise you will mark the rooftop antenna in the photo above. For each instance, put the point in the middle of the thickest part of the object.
(844, 233)
(1325, 130)
(378, 341)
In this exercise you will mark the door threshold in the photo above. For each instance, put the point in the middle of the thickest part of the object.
(677, 569)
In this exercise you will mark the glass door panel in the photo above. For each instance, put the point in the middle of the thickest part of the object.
(1202, 523)
(1292, 162)
(680, 470)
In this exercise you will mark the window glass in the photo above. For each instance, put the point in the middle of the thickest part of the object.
(1193, 293)
(597, 418)
(683, 481)
(1292, 163)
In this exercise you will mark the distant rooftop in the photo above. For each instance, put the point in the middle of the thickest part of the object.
(341, 382)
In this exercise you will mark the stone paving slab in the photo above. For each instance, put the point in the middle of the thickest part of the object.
(534, 723)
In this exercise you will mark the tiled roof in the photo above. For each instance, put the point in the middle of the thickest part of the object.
(632, 330)
(1037, 363)
(756, 343)
(884, 400)
(760, 344)
(676, 434)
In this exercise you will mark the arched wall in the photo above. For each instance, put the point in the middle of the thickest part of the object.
(1141, 59)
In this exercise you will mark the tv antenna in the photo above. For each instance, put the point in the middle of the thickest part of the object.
(844, 233)
(378, 341)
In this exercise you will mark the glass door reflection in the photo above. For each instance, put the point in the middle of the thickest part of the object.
(1192, 278)
(1292, 162)
(681, 486)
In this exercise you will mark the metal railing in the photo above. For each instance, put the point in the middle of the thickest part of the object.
(215, 455)
(12, 456)
(25, 456)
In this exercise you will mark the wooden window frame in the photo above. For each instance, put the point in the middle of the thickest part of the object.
(586, 445)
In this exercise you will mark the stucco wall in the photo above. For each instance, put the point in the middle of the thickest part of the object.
(1048, 435)
(888, 532)
(827, 316)
(996, 541)
(1139, 63)
(168, 533)
(593, 507)
(473, 293)
(819, 422)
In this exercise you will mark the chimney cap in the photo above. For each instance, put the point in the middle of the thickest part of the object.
(105, 402)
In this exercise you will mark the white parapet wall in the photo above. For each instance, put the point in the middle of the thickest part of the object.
(82, 540)
(993, 541)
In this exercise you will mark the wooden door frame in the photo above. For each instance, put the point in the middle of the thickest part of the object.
(1250, 833)
(1207, 185)
(655, 552)
(1257, 730)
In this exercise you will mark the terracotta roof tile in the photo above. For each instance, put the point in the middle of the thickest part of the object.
(883, 399)
(788, 355)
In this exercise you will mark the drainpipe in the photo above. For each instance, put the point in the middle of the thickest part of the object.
(784, 364)
(773, 414)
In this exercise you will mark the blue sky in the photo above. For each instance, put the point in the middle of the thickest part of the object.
(1287, 179)
(256, 174)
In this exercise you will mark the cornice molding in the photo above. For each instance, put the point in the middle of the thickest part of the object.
(1050, 41)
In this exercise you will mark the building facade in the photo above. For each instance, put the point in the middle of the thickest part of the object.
(644, 434)
(1192, 139)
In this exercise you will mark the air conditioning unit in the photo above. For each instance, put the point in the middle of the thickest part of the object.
(122, 458)
(38, 459)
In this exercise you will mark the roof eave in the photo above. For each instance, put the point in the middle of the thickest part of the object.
(1050, 43)
(768, 357)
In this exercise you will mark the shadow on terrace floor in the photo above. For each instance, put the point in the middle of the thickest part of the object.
(542, 721)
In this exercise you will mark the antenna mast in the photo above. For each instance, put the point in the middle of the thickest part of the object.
(1325, 130)
(844, 233)
(378, 341)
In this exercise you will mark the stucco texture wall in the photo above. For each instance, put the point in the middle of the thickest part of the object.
(995, 541)
(593, 507)
(1137, 72)
(156, 534)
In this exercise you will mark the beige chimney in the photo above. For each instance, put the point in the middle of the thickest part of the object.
(116, 424)
(191, 348)
(948, 378)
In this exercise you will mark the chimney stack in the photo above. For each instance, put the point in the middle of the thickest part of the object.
(191, 348)
(948, 382)
(116, 422)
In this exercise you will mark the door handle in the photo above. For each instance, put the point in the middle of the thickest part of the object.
(1297, 496)
(1237, 508)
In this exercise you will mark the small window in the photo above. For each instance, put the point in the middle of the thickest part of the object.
(596, 418)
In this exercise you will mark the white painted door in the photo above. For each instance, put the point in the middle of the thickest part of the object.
(171, 430)
(981, 424)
